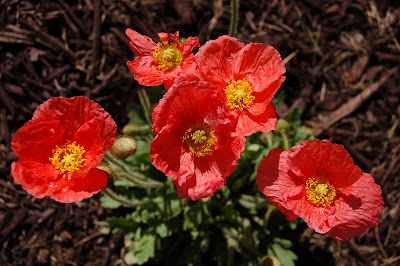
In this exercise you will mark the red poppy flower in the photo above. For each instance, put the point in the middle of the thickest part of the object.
(195, 143)
(319, 182)
(59, 146)
(248, 77)
(160, 63)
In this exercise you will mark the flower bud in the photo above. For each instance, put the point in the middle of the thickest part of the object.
(123, 147)
(270, 261)
(282, 125)
(134, 130)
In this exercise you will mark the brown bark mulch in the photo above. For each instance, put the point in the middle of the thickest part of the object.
(342, 60)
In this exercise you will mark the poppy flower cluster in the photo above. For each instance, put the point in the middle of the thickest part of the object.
(59, 146)
(217, 97)
(223, 93)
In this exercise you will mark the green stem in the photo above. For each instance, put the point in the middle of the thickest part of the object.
(120, 164)
(270, 210)
(124, 201)
(257, 164)
(231, 251)
(269, 136)
(145, 102)
(234, 17)
(285, 141)
(139, 181)
(138, 177)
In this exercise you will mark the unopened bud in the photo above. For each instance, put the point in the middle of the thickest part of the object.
(270, 261)
(282, 125)
(123, 147)
(135, 130)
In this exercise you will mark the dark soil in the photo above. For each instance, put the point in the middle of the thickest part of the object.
(343, 61)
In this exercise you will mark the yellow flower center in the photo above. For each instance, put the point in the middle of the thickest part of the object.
(167, 58)
(200, 141)
(320, 192)
(239, 95)
(68, 158)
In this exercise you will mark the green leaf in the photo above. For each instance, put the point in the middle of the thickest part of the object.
(109, 203)
(252, 151)
(135, 114)
(280, 97)
(141, 251)
(142, 155)
(162, 230)
(285, 256)
(121, 225)
(303, 133)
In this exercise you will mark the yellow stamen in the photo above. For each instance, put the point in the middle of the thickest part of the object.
(239, 95)
(200, 141)
(167, 58)
(199, 136)
(320, 192)
(68, 158)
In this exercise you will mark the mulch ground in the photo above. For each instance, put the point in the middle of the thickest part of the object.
(342, 60)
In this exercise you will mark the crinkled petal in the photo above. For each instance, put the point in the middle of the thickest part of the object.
(140, 45)
(249, 123)
(36, 139)
(190, 75)
(275, 186)
(315, 158)
(264, 97)
(80, 186)
(74, 113)
(178, 103)
(170, 76)
(211, 171)
(206, 180)
(214, 59)
(358, 211)
(41, 180)
(166, 37)
(189, 44)
(259, 64)
(34, 177)
(226, 156)
(169, 156)
(146, 71)
(321, 219)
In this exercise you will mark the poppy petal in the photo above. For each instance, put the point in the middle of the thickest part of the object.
(140, 45)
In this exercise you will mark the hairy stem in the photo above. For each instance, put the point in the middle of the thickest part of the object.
(285, 141)
(234, 17)
(134, 177)
(124, 201)
(140, 182)
(145, 102)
